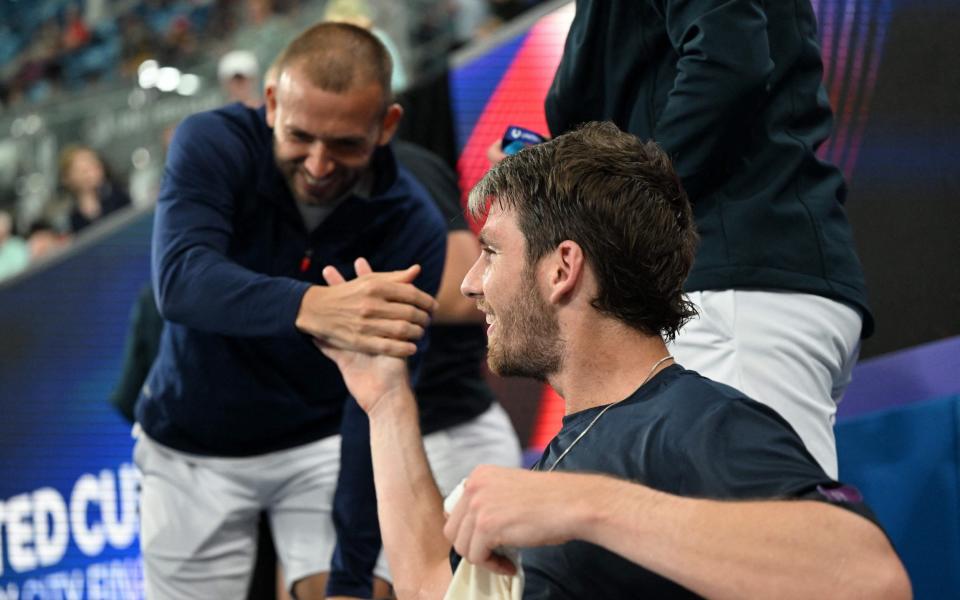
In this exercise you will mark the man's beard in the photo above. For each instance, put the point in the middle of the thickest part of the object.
(291, 168)
(527, 341)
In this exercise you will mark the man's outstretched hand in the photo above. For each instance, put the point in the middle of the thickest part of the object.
(369, 376)
(376, 313)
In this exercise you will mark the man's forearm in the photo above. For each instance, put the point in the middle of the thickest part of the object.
(410, 505)
(209, 292)
(739, 549)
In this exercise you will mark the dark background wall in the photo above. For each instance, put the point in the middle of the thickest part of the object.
(904, 200)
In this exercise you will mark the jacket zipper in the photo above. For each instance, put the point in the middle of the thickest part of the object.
(306, 260)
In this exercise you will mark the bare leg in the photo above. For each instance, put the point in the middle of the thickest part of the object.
(381, 591)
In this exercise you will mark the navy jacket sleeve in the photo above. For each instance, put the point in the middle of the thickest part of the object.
(355, 503)
(196, 284)
(724, 64)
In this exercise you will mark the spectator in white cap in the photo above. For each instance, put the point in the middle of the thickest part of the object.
(239, 74)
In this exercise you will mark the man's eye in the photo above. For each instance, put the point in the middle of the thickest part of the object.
(347, 147)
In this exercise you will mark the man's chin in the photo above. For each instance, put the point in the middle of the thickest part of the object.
(506, 367)
(316, 198)
(313, 200)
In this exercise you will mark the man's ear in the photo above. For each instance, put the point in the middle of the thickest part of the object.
(566, 270)
(391, 120)
(270, 93)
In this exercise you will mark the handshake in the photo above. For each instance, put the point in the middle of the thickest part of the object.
(368, 326)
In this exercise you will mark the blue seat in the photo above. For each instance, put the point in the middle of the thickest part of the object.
(906, 461)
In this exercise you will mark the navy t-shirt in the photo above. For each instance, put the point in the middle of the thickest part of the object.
(683, 434)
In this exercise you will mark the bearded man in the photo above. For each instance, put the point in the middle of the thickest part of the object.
(661, 483)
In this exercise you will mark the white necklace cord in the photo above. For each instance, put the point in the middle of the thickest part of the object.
(605, 409)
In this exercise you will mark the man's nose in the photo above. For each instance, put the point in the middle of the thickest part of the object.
(318, 162)
(471, 287)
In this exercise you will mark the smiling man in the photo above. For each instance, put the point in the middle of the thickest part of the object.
(241, 413)
(661, 483)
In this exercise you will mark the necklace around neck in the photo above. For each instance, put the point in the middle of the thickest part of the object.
(563, 454)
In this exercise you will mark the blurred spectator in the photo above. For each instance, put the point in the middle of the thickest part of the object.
(76, 43)
(239, 75)
(39, 64)
(179, 42)
(43, 240)
(75, 31)
(470, 18)
(96, 12)
(136, 44)
(264, 32)
(14, 255)
(433, 34)
(92, 195)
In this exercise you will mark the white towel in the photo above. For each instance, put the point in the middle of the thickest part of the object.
(474, 582)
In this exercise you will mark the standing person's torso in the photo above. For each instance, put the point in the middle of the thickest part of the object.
(768, 211)
(211, 393)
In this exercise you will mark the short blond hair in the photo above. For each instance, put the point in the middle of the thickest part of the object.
(337, 56)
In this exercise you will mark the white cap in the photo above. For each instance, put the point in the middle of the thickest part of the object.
(238, 62)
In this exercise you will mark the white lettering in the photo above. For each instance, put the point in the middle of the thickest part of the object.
(116, 580)
(20, 535)
(35, 528)
(31, 590)
(75, 585)
(120, 532)
(127, 576)
(97, 582)
(65, 584)
(90, 539)
(1, 545)
(50, 523)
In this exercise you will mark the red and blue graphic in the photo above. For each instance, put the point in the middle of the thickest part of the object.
(505, 87)
(852, 35)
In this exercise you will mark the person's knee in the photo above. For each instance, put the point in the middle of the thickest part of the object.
(311, 587)
(382, 590)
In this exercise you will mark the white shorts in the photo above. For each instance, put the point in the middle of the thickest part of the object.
(793, 352)
(199, 514)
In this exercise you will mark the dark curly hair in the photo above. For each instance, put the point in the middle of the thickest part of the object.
(620, 200)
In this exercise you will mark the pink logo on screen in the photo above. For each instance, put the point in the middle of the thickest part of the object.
(852, 34)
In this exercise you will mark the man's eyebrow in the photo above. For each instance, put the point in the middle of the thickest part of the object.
(484, 239)
(294, 130)
(347, 139)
